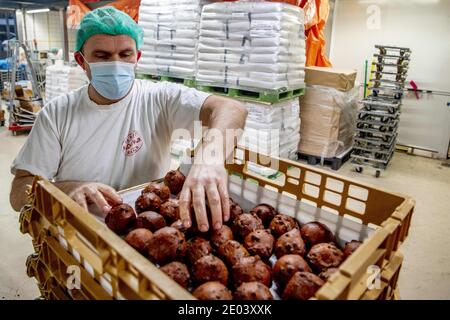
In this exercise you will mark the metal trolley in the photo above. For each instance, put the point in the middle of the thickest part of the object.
(377, 122)
(19, 118)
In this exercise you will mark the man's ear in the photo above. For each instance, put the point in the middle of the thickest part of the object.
(139, 54)
(79, 59)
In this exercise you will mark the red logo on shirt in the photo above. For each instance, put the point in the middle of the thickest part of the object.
(132, 143)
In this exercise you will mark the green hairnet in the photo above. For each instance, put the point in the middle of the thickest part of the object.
(108, 20)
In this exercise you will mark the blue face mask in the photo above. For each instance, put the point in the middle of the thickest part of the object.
(112, 79)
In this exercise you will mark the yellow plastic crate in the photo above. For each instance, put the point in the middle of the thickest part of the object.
(66, 235)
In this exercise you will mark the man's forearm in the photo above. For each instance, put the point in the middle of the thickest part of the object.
(225, 119)
(19, 187)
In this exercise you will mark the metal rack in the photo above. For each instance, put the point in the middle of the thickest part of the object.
(378, 119)
(19, 118)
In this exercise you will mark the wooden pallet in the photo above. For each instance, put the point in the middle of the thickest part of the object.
(265, 96)
(187, 82)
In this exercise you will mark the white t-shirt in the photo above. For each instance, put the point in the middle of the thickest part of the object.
(121, 145)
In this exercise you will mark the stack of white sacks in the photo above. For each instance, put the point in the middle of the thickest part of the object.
(252, 45)
(170, 37)
(272, 129)
(61, 79)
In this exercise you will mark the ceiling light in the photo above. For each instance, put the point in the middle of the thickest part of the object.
(38, 10)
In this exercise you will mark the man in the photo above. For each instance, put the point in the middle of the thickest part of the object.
(115, 132)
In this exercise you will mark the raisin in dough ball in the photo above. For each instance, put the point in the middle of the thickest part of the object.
(160, 189)
(325, 255)
(326, 274)
(281, 224)
(210, 268)
(232, 252)
(246, 223)
(219, 237)
(302, 286)
(250, 269)
(150, 220)
(167, 245)
(287, 266)
(174, 179)
(316, 232)
(351, 247)
(212, 290)
(260, 242)
(148, 202)
(178, 272)
(235, 210)
(139, 239)
(197, 248)
(121, 218)
(290, 243)
(170, 210)
(253, 291)
(265, 212)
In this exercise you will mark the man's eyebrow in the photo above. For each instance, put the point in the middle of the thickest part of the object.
(127, 50)
(102, 52)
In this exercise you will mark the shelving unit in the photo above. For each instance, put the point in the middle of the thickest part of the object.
(378, 119)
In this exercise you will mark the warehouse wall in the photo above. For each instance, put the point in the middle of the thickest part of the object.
(423, 26)
(46, 28)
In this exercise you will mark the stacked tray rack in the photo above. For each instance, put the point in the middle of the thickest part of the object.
(377, 122)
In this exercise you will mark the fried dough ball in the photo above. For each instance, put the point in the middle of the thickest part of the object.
(179, 225)
(178, 272)
(139, 239)
(232, 252)
(246, 223)
(250, 269)
(150, 220)
(302, 286)
(121, 218)
(210, 268)
(260, 242)
(170, 210)
(160, 189)
(290, 243)
(265, 212)
(148, 202)
(197, 248)
(316, 232)
(326, 274)
(253, 291)
(325, 255)
(174, 179)
(235, 210)
(219, 237)
(167, 245)
(351, 247)
(212, 290)
(281, 224)
(287, 266)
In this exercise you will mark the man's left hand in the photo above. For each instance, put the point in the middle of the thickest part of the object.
(205, 182)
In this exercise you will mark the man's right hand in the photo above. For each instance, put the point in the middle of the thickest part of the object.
(84, 193)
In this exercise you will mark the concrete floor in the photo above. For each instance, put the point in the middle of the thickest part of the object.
(426, 269)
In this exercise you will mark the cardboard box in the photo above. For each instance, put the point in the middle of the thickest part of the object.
(31, 106)
(5, 94)
(327, 121)
(23, 93)
(340, 79)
